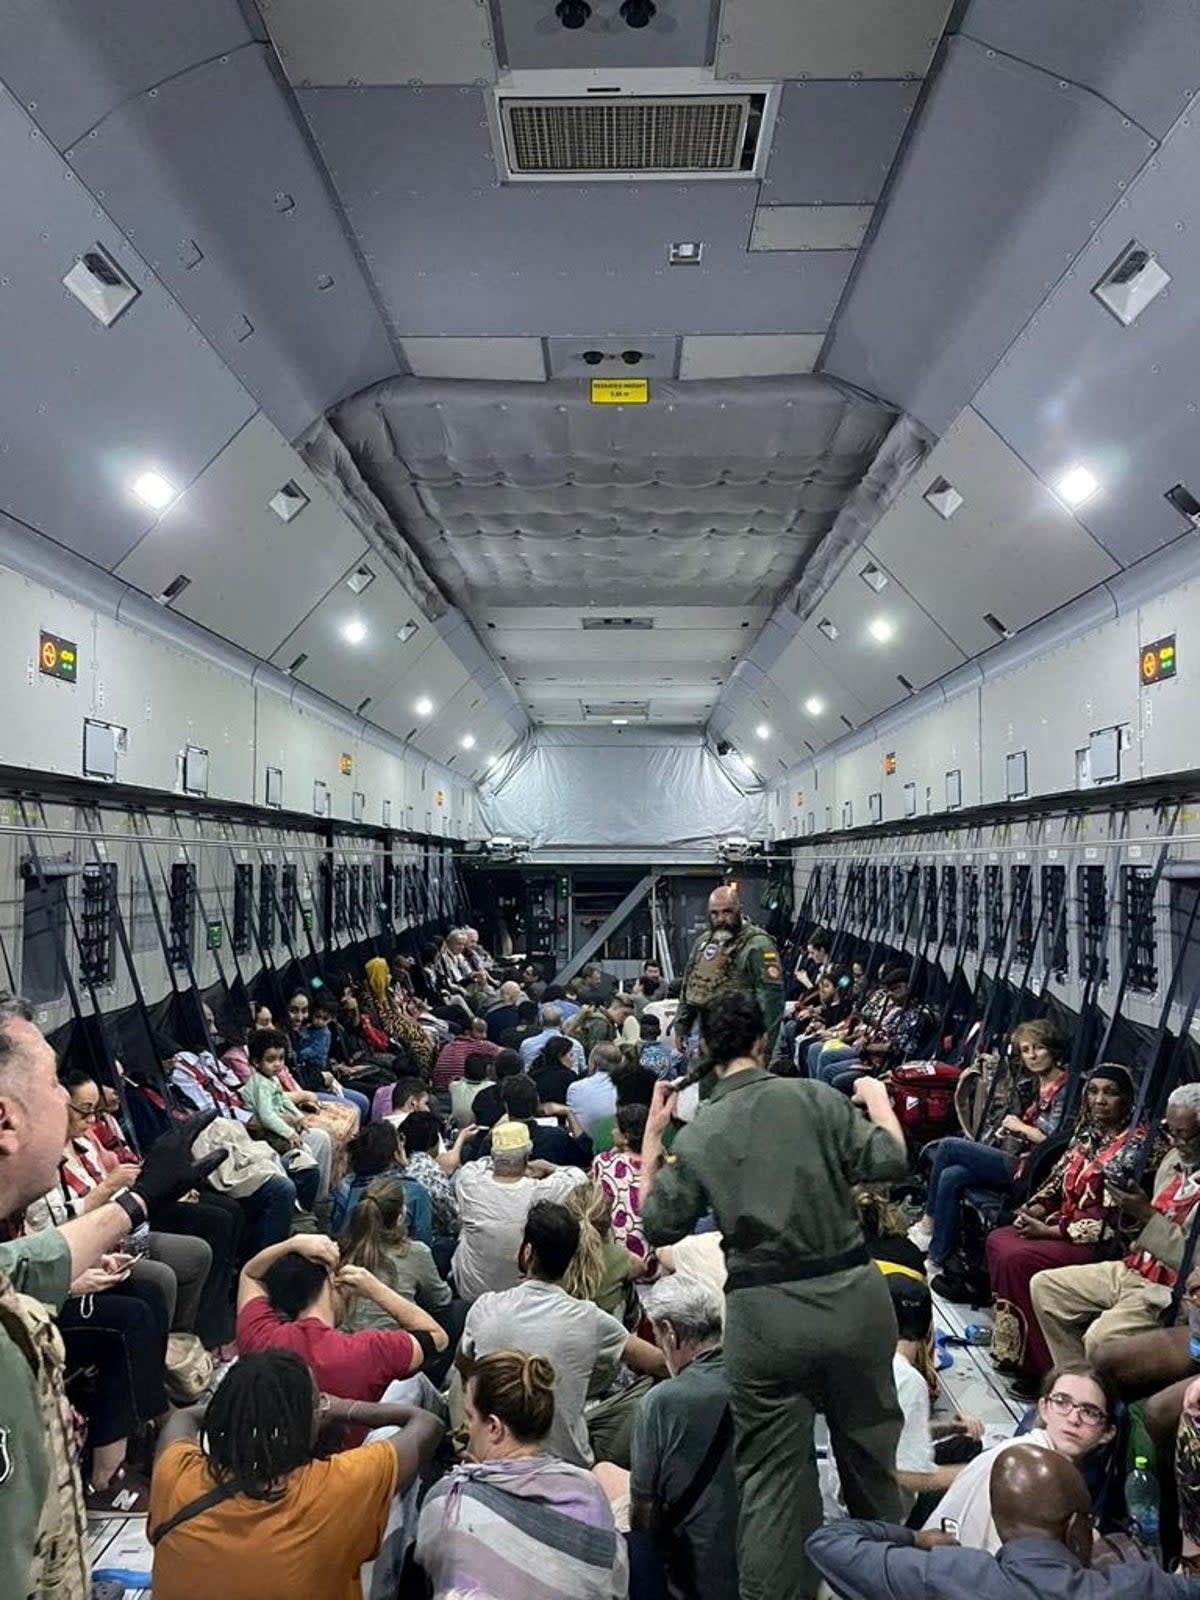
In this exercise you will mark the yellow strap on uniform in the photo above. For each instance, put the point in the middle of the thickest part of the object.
(888, 1267)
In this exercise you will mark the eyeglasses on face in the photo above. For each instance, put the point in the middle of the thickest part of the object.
(85, 1113)
(1063, 1405)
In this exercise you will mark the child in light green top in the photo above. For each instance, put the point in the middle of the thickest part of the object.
(263, 1093)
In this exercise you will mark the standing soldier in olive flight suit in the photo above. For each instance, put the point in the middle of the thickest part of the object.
(809, 1325)
(733, 957)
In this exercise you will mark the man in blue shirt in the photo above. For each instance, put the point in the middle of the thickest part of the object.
(1043, 1516)
(594, 1096)
(552, 1020)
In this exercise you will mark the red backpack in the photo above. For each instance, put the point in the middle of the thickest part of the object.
(923, 1099)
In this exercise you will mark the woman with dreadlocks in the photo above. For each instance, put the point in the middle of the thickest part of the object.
(242, 1505)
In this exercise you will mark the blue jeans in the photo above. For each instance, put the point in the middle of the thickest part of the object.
(354, 1096)
(960, 1164)
(828, 1060)
(268, 1212)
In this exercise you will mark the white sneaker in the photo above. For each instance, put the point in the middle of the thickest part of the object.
(921, 1236)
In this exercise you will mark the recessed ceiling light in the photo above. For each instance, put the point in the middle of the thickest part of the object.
(289, 502)
(874, 577)
(1129, 285)
(467, 741)
(942, 497)
(762, 731)
(686, 253)
(155, 490)
(424, 706)
(827, 628)
(881, 629)
(405, 633)
(361, 578)
(354, 631)
(619, 722)
(1076, 485)
(814, 705)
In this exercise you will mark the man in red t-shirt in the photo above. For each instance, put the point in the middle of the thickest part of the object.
(290, 1297)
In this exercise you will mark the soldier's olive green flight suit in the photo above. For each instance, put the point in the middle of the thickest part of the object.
(809, 1322)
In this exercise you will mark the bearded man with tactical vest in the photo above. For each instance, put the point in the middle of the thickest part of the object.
(733, 957)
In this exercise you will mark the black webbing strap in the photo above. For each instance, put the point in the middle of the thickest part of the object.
(194, 1508)
(718, 1448)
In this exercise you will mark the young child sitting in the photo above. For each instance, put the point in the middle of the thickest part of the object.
(654, 1054)
(280, 1118)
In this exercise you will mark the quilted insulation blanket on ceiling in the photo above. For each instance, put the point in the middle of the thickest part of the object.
(527, 494)
(597, 788)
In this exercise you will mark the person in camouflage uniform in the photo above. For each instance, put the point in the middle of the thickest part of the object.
(733, 957)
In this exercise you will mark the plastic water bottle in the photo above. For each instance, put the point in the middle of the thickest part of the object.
(1141, 1502)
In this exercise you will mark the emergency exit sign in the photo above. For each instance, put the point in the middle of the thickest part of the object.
(58, 658)
(1158, 660)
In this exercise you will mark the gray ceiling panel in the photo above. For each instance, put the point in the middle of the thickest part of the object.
(660, 357)
(383, 41)
(453, 252)
(755, 355)
(680, 34)
(223, 536)
(1142, 55)
(810, 227)
(1078, 388)
(834, 142)
(73, 61)
(828, 38)
(87, 409)
(1011, 550)
(521, 359)
(978, 228)
(214, 160)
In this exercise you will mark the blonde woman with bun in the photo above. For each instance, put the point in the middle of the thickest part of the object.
(512, 1520)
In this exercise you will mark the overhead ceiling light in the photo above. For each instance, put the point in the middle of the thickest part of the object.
(880, 629)
(155, 490)
(1134, 279)
(942, 497)
(405, 633)
(814, 705)
(619, 722)
(467, 741)
(827, 628)
(572, 13)
(874, 577)
(637, 13)
(686, 253)
(361, 578)
(762, 731)
(99, 284)
(1076, 485)
(354, 631)
(424, 706)
(289, 502)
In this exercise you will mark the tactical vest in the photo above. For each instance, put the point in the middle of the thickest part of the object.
(60, 1569)
(715, 971)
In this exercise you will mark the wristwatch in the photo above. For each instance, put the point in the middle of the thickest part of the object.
(132, 1205)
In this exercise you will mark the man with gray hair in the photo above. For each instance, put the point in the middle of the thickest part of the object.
(683, 1494)
(1081, 1307)
(552, 1027)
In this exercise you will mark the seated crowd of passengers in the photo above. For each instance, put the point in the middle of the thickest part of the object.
(413, 1332)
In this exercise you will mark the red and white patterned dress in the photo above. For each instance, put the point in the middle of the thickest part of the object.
(619, 1175)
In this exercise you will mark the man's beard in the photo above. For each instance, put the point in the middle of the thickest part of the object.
(726, 935)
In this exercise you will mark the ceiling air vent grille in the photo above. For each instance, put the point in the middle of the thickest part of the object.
(613, 624)
(606, 710)
(666, 134)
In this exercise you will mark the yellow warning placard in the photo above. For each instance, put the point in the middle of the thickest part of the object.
(620, 391)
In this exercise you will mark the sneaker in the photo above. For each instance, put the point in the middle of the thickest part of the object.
(127, 1495)
(952, 1289)
(921, 1236)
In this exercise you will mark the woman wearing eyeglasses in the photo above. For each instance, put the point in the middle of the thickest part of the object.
(1075, 1418)
(1065, 1223)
